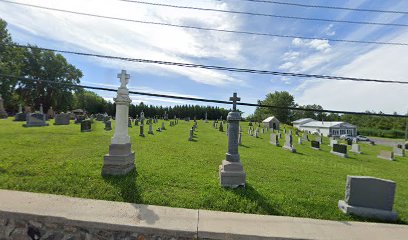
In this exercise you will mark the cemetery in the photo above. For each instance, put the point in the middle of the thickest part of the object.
(172, 171)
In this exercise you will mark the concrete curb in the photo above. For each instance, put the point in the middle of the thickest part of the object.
(184, 223)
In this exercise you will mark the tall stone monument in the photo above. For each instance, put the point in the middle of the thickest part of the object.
(121, 159)
(3, 113)
(231, 170)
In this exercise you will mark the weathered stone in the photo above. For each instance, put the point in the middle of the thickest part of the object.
(369, 197)
(108, 126)
(35, 120)
(62, 119)
(399, 152)
(289, 144)
(274, 139)
(355, 148)
(387, 155)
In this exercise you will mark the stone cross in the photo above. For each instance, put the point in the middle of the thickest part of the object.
(234, 100)
(124, 78)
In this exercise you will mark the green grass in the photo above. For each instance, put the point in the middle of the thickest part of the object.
(171, 171)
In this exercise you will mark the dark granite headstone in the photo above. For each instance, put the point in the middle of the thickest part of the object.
(108, 125)
(86, 125)
(79, 118)
(315, 144)
(340, 148)
(62, 119)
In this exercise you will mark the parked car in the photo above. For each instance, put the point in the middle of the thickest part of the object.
(345, 136)
(363, 138)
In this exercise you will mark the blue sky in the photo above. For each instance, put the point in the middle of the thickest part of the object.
(80, 33)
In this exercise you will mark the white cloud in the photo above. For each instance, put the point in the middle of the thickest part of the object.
(385, 62)
(286, 66)
(118, 38)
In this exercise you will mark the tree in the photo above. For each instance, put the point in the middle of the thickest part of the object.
(90, 101)
(41, 64)
(10, 64)
(279, 99)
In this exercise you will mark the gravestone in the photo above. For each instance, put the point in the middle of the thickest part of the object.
(150, 129)
(86, 125)
(221, 129)
(108, 125)
(50, 113)
(274, 140)
(339, 150)
(158, 130)
(399, 152)
(3, 113)
(369, 197)
(121, 158)
(319, 139)
(79, 118)
(41, 109)
(20, 116)
(315, 145)
(256, 134)
(141, 132)
(305, 137)
(300, 141)
(206, 120)
(231, 171)
(349, 142)
(130, 122)
(191, 134)
(62, 119)
(136, 122)
(355, 148)
(332, 142)
(165, 116)
(280, 135)
(240, 138)
(289, 144)
(387, 155)
(35, 120)
(163, 127)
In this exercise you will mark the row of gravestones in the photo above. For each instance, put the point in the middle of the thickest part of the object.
(365, 196)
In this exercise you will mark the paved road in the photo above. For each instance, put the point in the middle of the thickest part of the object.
(387, 141)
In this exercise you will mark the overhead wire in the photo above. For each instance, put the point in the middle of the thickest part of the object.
(209, 29)
(204, 99)
(214, 67)
(327, 7)
(265, 14)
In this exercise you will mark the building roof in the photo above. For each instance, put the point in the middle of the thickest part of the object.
(303, 120)
(270, 119)
(323, 124)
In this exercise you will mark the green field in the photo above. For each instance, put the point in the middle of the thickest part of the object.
(171, 171)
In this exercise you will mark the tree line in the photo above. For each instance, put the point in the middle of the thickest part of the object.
(367, 125)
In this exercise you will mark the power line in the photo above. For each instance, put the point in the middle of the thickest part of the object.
(209, 29)
(328, 7)
(220, 68)
(266, 15)
(203, 99)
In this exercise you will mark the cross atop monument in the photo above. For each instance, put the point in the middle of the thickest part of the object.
(234, 100)
(124, 78)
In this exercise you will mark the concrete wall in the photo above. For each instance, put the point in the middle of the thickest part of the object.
(43, 216)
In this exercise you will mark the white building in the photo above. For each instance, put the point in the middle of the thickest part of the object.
(325, 128)
(271, 122)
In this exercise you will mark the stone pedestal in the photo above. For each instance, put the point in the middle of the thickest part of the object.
(231, 171)
(120, 159)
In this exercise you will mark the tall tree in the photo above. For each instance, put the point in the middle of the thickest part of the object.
(280, 99)
(10, 64)
(40, 64)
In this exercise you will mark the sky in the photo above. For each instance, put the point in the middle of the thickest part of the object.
(64, 31)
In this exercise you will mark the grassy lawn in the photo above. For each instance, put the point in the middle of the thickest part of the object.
(171, 171)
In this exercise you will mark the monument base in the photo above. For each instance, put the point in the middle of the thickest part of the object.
(232, 174)
(20, 117)
(315, 148)
(385, 158)
(378, 214)
(291, 149)
(339, 154)
(36, 125)
(119, 161)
